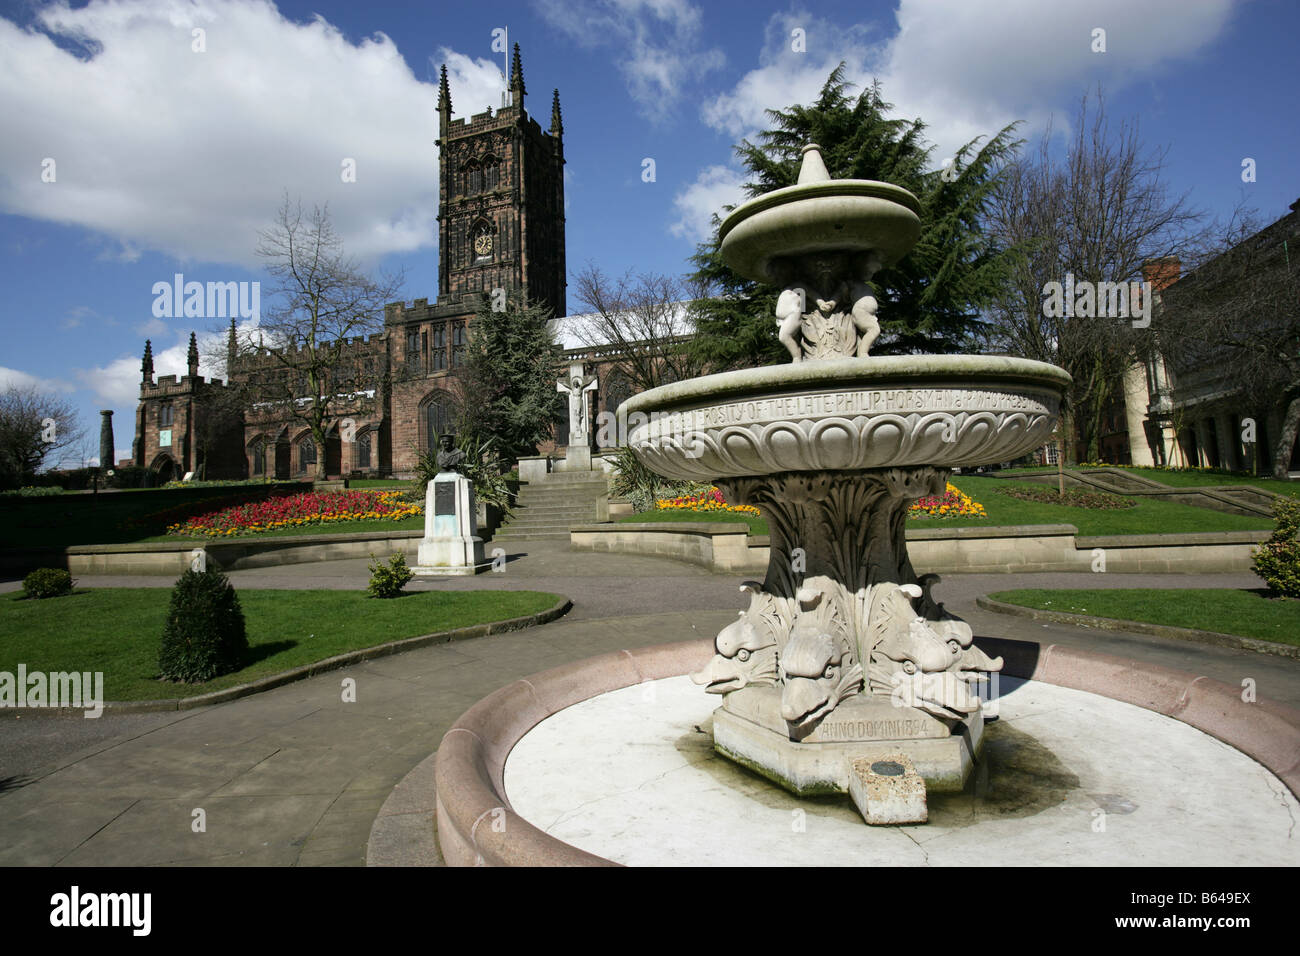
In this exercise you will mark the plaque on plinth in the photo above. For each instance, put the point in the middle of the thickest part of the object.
(451, 544)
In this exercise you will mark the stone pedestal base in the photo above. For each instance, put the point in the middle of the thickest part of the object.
(748, 728)
(576, 458)
(450, 556)
(451, 544)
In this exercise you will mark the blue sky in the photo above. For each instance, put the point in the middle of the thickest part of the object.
(168, 159)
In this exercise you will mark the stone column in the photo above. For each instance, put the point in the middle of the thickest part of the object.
(107, 456)
(1136, 401)
(1229, 442)
(1202, 443)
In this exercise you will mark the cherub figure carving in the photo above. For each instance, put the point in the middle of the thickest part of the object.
(826, 309)
(864, 307)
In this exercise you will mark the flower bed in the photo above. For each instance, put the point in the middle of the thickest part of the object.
(951, 504)
(314, 507)
(705, 502)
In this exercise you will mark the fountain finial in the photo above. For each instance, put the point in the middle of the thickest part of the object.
(813, 169)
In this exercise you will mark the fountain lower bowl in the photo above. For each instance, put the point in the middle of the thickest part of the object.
(847, 414)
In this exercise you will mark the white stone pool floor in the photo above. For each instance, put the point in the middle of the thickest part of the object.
(1067, 778)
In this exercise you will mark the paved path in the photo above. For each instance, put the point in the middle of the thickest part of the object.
(296, 776)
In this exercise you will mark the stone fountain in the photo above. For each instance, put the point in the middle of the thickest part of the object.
(843, 672)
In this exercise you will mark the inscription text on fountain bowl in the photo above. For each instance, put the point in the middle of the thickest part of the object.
(863, 402)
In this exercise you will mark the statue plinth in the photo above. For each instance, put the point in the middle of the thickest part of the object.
(451, 544)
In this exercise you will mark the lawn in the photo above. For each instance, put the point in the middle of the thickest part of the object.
(1146, 517)
(1194, 478)
(1244, 613)
(118, 630)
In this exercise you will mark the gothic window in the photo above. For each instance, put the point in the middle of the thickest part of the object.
(458, 339)
(413, 349)
(439, 347)
(473, 178)
(306, 455)
(258, 454)
(437, 418)
(491, 173)
(618, 389)
(361, 453)
(165, 415)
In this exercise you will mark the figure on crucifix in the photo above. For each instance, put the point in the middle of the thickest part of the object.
(576, 386)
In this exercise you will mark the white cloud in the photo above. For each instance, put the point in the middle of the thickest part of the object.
(117, 384)
(714, 187)
(151, 328)
(969, 69)
(658, 44)
(20, 379)
(158, 147)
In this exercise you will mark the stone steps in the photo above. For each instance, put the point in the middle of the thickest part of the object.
(545, 511)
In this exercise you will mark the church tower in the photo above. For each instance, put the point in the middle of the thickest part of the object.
(501, 199)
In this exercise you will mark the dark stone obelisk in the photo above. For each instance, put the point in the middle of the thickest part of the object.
(106, 452)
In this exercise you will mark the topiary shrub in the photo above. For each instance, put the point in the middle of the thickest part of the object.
(47, 583)
(205, 635)
(387, 580)
(1277, 560)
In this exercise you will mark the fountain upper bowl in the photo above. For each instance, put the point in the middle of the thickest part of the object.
(840, 215)
(846, 414)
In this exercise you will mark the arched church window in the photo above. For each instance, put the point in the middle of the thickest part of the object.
(306, 455)
(437, 418)
(618, 389)
(362, 451)
(473, 178)
(258, 454)
(491, 173)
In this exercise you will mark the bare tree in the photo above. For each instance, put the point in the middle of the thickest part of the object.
(302, 363)
(34, 425)
(1097, 215)
(1232, 325)
(642, 322)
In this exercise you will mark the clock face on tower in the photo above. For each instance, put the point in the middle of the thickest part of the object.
(483, 245)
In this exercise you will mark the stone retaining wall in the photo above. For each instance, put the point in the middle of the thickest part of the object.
(172, 559)
(728, 547)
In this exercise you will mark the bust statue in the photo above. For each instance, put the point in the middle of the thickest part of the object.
(450, 458)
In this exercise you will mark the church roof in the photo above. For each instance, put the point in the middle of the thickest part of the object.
(585, 330)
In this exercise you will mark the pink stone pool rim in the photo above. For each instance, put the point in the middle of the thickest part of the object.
(477, 826)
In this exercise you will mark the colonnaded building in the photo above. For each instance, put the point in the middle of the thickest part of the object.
(1195, 417)
(500, 226)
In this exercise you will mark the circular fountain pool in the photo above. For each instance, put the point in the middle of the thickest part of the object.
(1067, 778)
